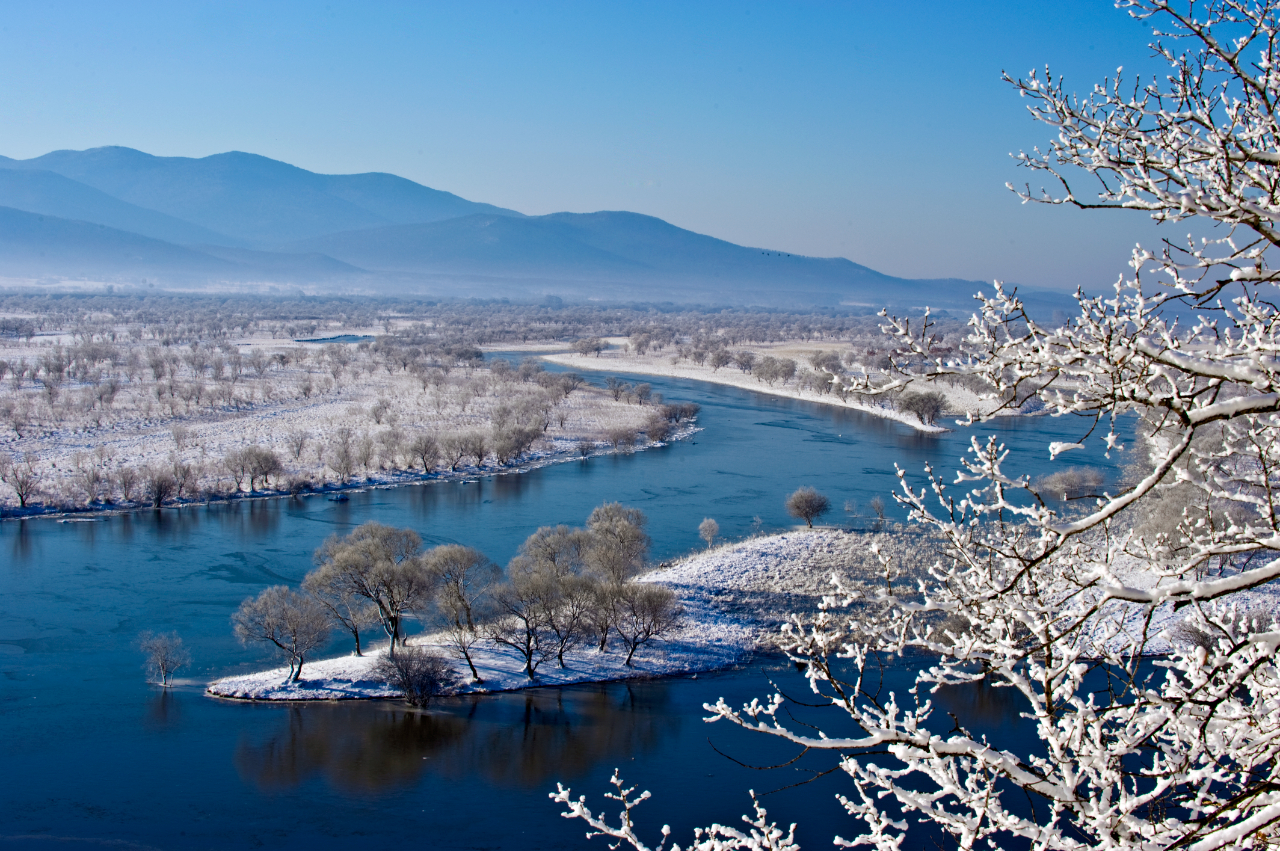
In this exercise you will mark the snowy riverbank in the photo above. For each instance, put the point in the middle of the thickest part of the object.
(960, 401)
(555, 451)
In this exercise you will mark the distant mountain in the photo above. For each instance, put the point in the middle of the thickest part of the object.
(119, 214)
(625, 254)
(45, 192)
(37, 245)
(253, 199)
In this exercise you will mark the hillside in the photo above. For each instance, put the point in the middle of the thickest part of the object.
(252, 198)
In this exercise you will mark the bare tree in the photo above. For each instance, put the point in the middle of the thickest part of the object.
(21, 476)
(262, 464)
(926, 406)
(464, 577)
(382, 565)
(425, 449)
(453, 448)
(349, 610)
(589, 346)
(158, 485)
(520, 621)
(807, 504)
(567, 603)
(645, 612)
(341, 457)
(618, 546)
(707, 530)
(603, 614)
(555, 551)
(297, 442)
(294, 623)
(165, 654)
(657, 429)
(127, 482)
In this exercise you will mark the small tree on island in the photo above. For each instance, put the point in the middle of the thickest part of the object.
(165, 654)
(293, 622)
(807, 504)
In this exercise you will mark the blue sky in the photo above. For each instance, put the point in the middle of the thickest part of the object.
(874, 131)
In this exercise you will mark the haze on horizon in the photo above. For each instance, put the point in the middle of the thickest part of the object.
(873, 133)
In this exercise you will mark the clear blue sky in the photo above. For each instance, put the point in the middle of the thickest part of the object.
(874, 131)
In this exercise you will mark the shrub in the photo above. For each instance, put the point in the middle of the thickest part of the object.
(807, 504)
(926, 406)
(419, 674)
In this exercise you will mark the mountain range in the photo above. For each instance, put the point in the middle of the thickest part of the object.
(120, 215)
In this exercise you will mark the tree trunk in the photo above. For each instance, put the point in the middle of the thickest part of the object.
(631, 649)
(297, 672)
(355, 631)
(475, 675)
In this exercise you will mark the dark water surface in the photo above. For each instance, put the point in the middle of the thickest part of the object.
(90, 756)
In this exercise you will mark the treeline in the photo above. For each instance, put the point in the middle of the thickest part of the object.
(173, 320)
(569, 588)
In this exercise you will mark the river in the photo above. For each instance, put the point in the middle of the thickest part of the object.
(91, 756)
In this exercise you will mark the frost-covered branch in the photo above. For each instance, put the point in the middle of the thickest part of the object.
(1125, 627)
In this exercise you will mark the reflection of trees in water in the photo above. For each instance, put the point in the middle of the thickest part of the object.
(522, 739)
(23, 541)
(163, 710)
(982, 702)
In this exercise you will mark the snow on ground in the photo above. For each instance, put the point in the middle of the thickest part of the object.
(312, 400)
(1121, 625)
(734, 596)
(707, 641)
(959, 399)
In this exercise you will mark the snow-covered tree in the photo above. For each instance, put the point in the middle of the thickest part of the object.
(1145, 740)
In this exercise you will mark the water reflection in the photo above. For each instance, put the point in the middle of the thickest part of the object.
(982, 703)
(163, 710)
(23, 540)
(524, 740)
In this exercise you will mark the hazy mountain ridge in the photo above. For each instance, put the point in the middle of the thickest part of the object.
(116, 213)
(51, 194)
(251, 198)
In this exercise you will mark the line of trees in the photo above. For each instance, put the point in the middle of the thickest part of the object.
(567, 588)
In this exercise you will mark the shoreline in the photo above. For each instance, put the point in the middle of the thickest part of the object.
(643, 366)
(536, 461)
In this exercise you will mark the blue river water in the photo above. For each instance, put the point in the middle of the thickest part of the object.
(91, 756)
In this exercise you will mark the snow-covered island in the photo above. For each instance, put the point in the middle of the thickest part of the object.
(734, 597)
